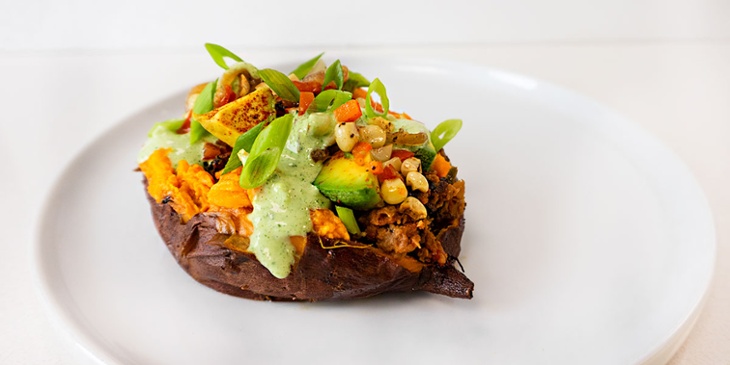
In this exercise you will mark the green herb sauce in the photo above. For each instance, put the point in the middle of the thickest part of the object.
(281, 208)
(161, 136)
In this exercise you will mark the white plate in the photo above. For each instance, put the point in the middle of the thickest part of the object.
(589, 243)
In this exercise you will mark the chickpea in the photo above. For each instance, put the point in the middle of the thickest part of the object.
(346, 136)
(410, 164)
(414, 208)
(395, 162)
(417, 181)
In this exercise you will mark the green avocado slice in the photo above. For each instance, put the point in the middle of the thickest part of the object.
(346, 183)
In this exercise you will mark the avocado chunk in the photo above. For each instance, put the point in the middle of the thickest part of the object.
(426, 154)
(346, 183)
(235, 118)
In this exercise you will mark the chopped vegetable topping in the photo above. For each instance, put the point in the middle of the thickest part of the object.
(282, 85)
(348, 112)
(265, 152)
(303, 69)
(331, 143)
(334, 75)
(203, 104)
(219, 52)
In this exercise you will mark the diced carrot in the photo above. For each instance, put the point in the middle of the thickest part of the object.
(361, 152)
(348, 112)
(376, 167)
(359, 93)
(402, 154)
(400, 115)
(378, 108)
(441, 166)
(305, 100)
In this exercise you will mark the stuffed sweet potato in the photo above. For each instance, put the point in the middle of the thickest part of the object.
(301, 187)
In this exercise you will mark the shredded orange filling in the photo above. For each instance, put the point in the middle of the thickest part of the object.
(190, 190)
(227, 192)
(326, 224)
(163, 183)
(195, 182)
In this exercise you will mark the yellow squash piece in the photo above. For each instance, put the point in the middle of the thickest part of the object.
(233, 119)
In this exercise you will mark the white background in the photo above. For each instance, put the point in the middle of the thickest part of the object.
(71, 69)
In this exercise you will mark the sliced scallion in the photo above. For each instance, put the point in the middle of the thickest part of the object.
(265, 152)
(354, 81)
(444, 132)
(303, 69)
(258, 168)
(243, 142)
(218, 52)
(203, 104)
(329, 99)
(280, 83)
(377, 87)
(334, 73)
(347, 216)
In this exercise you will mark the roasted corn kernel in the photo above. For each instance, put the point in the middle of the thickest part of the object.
(393, 191)
(373, 134)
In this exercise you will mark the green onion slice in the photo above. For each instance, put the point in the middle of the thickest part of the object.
(203, 104)
(377, 87)
(354, 81)
(329, 99)
(334, 73)
(347, 216)
(258, 168)
(265, 152)
(243, 142)
(280, 83)
(444, 132)
(218, 52)
(303, 69)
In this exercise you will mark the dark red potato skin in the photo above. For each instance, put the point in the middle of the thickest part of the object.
(320, 274)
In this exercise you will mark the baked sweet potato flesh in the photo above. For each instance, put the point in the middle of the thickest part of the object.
(321, 273)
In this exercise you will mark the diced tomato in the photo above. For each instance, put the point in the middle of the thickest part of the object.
(388, 173)
(224, 98)
(402, 154)
(305, 100)
(309, 86)
(185, 127)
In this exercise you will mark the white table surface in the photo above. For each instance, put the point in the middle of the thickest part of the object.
(54, 103)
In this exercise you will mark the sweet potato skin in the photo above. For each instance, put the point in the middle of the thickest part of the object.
(320, 274)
